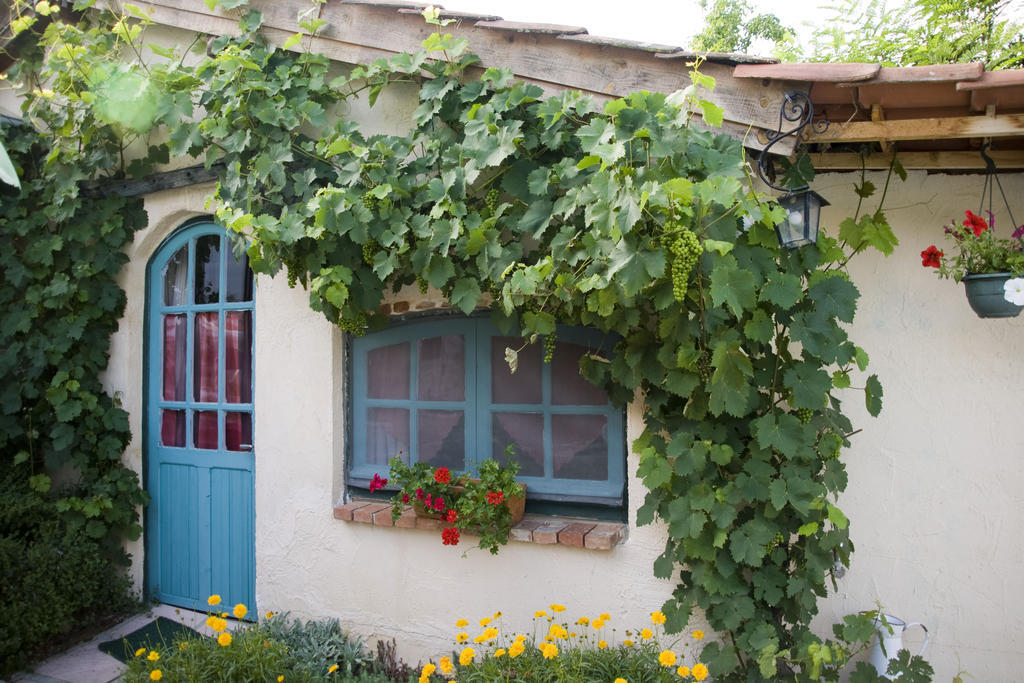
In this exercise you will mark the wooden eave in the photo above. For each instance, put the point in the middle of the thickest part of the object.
(555, 57)
(932, 117)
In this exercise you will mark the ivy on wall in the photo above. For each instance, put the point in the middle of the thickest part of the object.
(620, 215)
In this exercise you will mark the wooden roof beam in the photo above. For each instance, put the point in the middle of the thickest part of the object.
(922, 129)
(824, 162)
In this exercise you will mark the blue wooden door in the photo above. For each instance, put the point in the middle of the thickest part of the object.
(199, 422)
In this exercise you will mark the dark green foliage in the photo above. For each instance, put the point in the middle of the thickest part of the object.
(731, 26)
(53, 577)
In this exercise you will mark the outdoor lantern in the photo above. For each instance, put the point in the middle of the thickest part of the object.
(800, 227)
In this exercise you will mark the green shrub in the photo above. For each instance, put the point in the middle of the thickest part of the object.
(54, 577)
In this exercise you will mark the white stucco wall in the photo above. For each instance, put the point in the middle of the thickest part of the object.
(935, 493)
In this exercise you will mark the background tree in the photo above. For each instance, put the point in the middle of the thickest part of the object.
(730, 27)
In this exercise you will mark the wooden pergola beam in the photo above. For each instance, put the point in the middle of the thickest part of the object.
(923, 129)
(927, 161)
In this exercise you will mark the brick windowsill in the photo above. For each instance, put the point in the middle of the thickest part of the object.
(578, 533)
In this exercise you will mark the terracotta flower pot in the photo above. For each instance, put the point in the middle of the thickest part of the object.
(516, 504)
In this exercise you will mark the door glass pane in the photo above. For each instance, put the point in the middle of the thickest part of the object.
(579, 445)
(176, 278)
(175, 337)
(204, 429)
(238, 277)
(207, 282)
(525, 385)
(387, 371)
(238, 431)
(204, 361)
(525, 431)
(442, 438)
(442, 369)
(387, 435)
(568, 387)
(172, 428)
(238, 356)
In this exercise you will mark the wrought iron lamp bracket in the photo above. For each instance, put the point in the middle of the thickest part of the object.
(798, 110)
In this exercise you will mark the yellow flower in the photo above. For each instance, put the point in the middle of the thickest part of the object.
(539, 613)
(520, 637)
(466, 656)
(269, 615)
(619, 680)
(217, 624)
(516, 649)
(462, 637)
(583, 621)
(549, 650)
(334, 667)
(446, 665)
(280, 678)
(683, 671)
(138, 653)
(461, 623)
(153, 655)
(557, 631)
(602, 644)
(428, 669)
(667, 658)
(240, 611)
(572, 634)
(658, 618)
(497, 615)
(500, 652)
(156, 674)
(490, 634)
(606, 617)
(183, 645)
(480, 638)
(597, 624)
(700, 672)
(485, 621)
(698, 635)
(213, 600)
(557, 608)
(646, 634)
(628, 643)
(224, 639)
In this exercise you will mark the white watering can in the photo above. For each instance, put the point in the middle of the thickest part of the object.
(890, 643)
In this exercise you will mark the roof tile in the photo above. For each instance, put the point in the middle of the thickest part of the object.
(803, 71)
(524, 27)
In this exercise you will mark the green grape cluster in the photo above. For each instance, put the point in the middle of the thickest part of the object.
(370, 202)
(491, 198)
(291, 266)
(805, 415)
(549, 346)
(776, 541)
(421, 284)
(370, 249)
(354, 325)
(704, 368)
(685, 249)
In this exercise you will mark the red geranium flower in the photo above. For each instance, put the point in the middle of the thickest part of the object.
(405, 497)
(930, 257)
(419, 494)
(442, 475)
(376, 484)
(975, 222)
(495, 498)
(451, 516)
(450, 536)
(439, 503)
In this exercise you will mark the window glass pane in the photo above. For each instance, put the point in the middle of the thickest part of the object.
(238, 356)
(207, 282)
(387, 371)
(172, 428)
(238, 431)
(525, 385)
(204, 428)
(204, 361)
(579, 445)
(239, 278)
(442, 369)
(525, 431)
(568, 387)
(176, 278)
(442, 438)
(387, 435)
(175, 337)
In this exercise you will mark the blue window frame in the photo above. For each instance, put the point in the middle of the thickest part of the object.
(440, 391)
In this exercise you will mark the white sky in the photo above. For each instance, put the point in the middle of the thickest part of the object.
(671, 22)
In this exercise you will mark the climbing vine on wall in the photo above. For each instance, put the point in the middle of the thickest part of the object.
(620, 215)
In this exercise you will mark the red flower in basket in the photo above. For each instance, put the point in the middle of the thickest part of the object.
(495, 498)
(442, 475)
(931, 257)
(450, 537)
(975, 222)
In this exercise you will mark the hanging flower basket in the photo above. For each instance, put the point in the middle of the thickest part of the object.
(986, 295)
